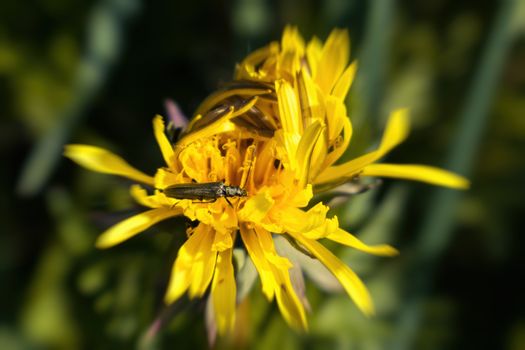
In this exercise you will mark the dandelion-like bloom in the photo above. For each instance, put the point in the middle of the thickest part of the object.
(276, 131)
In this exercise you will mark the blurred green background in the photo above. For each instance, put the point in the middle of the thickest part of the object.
(97, 71)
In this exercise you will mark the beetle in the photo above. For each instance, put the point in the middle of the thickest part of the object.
(205, 192)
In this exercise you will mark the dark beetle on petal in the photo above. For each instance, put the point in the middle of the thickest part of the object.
(205, 192)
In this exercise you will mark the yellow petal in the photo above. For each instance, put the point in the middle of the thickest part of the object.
(313, 54)
(292, 51)
(251, 242)
(288, 108)
(164, 144)
(302, 197)
(289, 303)
(224, 292)
(395, 133)
(292, 40)
(345, 81)
(103, 161)
(141, 196)
(256, 208)
(342, 237)
(182, 272)
(222, 240)
(309, 98)
(296, 220)
(335, 117)
(428, 174)
(134, 225)
(248, 68)
(350, 281)
(202, 265)
(223, 95)
(333, 60)
(333, 156)
(275, 278)
(220, 125)
(291, 124)
(304, 151)
(328, 227)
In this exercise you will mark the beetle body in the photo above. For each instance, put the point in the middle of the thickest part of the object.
(205, 192)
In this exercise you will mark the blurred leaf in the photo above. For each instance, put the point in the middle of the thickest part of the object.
(381, 228)
(105, 35)
(47, 318)
(369, 83)
(437, 228)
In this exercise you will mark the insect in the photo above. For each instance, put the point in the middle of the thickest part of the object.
(206, 192)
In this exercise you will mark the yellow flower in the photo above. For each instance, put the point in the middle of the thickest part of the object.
(276, 131)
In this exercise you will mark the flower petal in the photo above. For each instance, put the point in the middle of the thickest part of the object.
(335, 117)
(304, 151)
(141, 196)
(333, 156)
(350, 281)
(345, 81)
(309, 98)
(333, 60)
(249, 67)
(296, 220)
(224, 292)
(103, 161)
(250, 240)
(342, 237)
(428, 174)
(202, 266)
(396, 131)
(218, 126)
(288, 108)
(275, 278)
(289, 303)
(313, 54)
(290, 118)
(256, 208)
(165, 146)
(190, 254)
(134, 225)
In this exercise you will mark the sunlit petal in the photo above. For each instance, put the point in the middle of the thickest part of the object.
(342, 237)
(103, 161)
(304, 151)
(345, 81)
(333, 60)
(141, 196)
(134, 225)
(164, 144)
(182, 276)
(224, 292)
(428, 174)
(350, 281)
(396, 131)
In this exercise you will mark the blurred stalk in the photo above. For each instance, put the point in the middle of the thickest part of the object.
(104, 43)
(437, 228)
(366, 94)
(372, 65)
